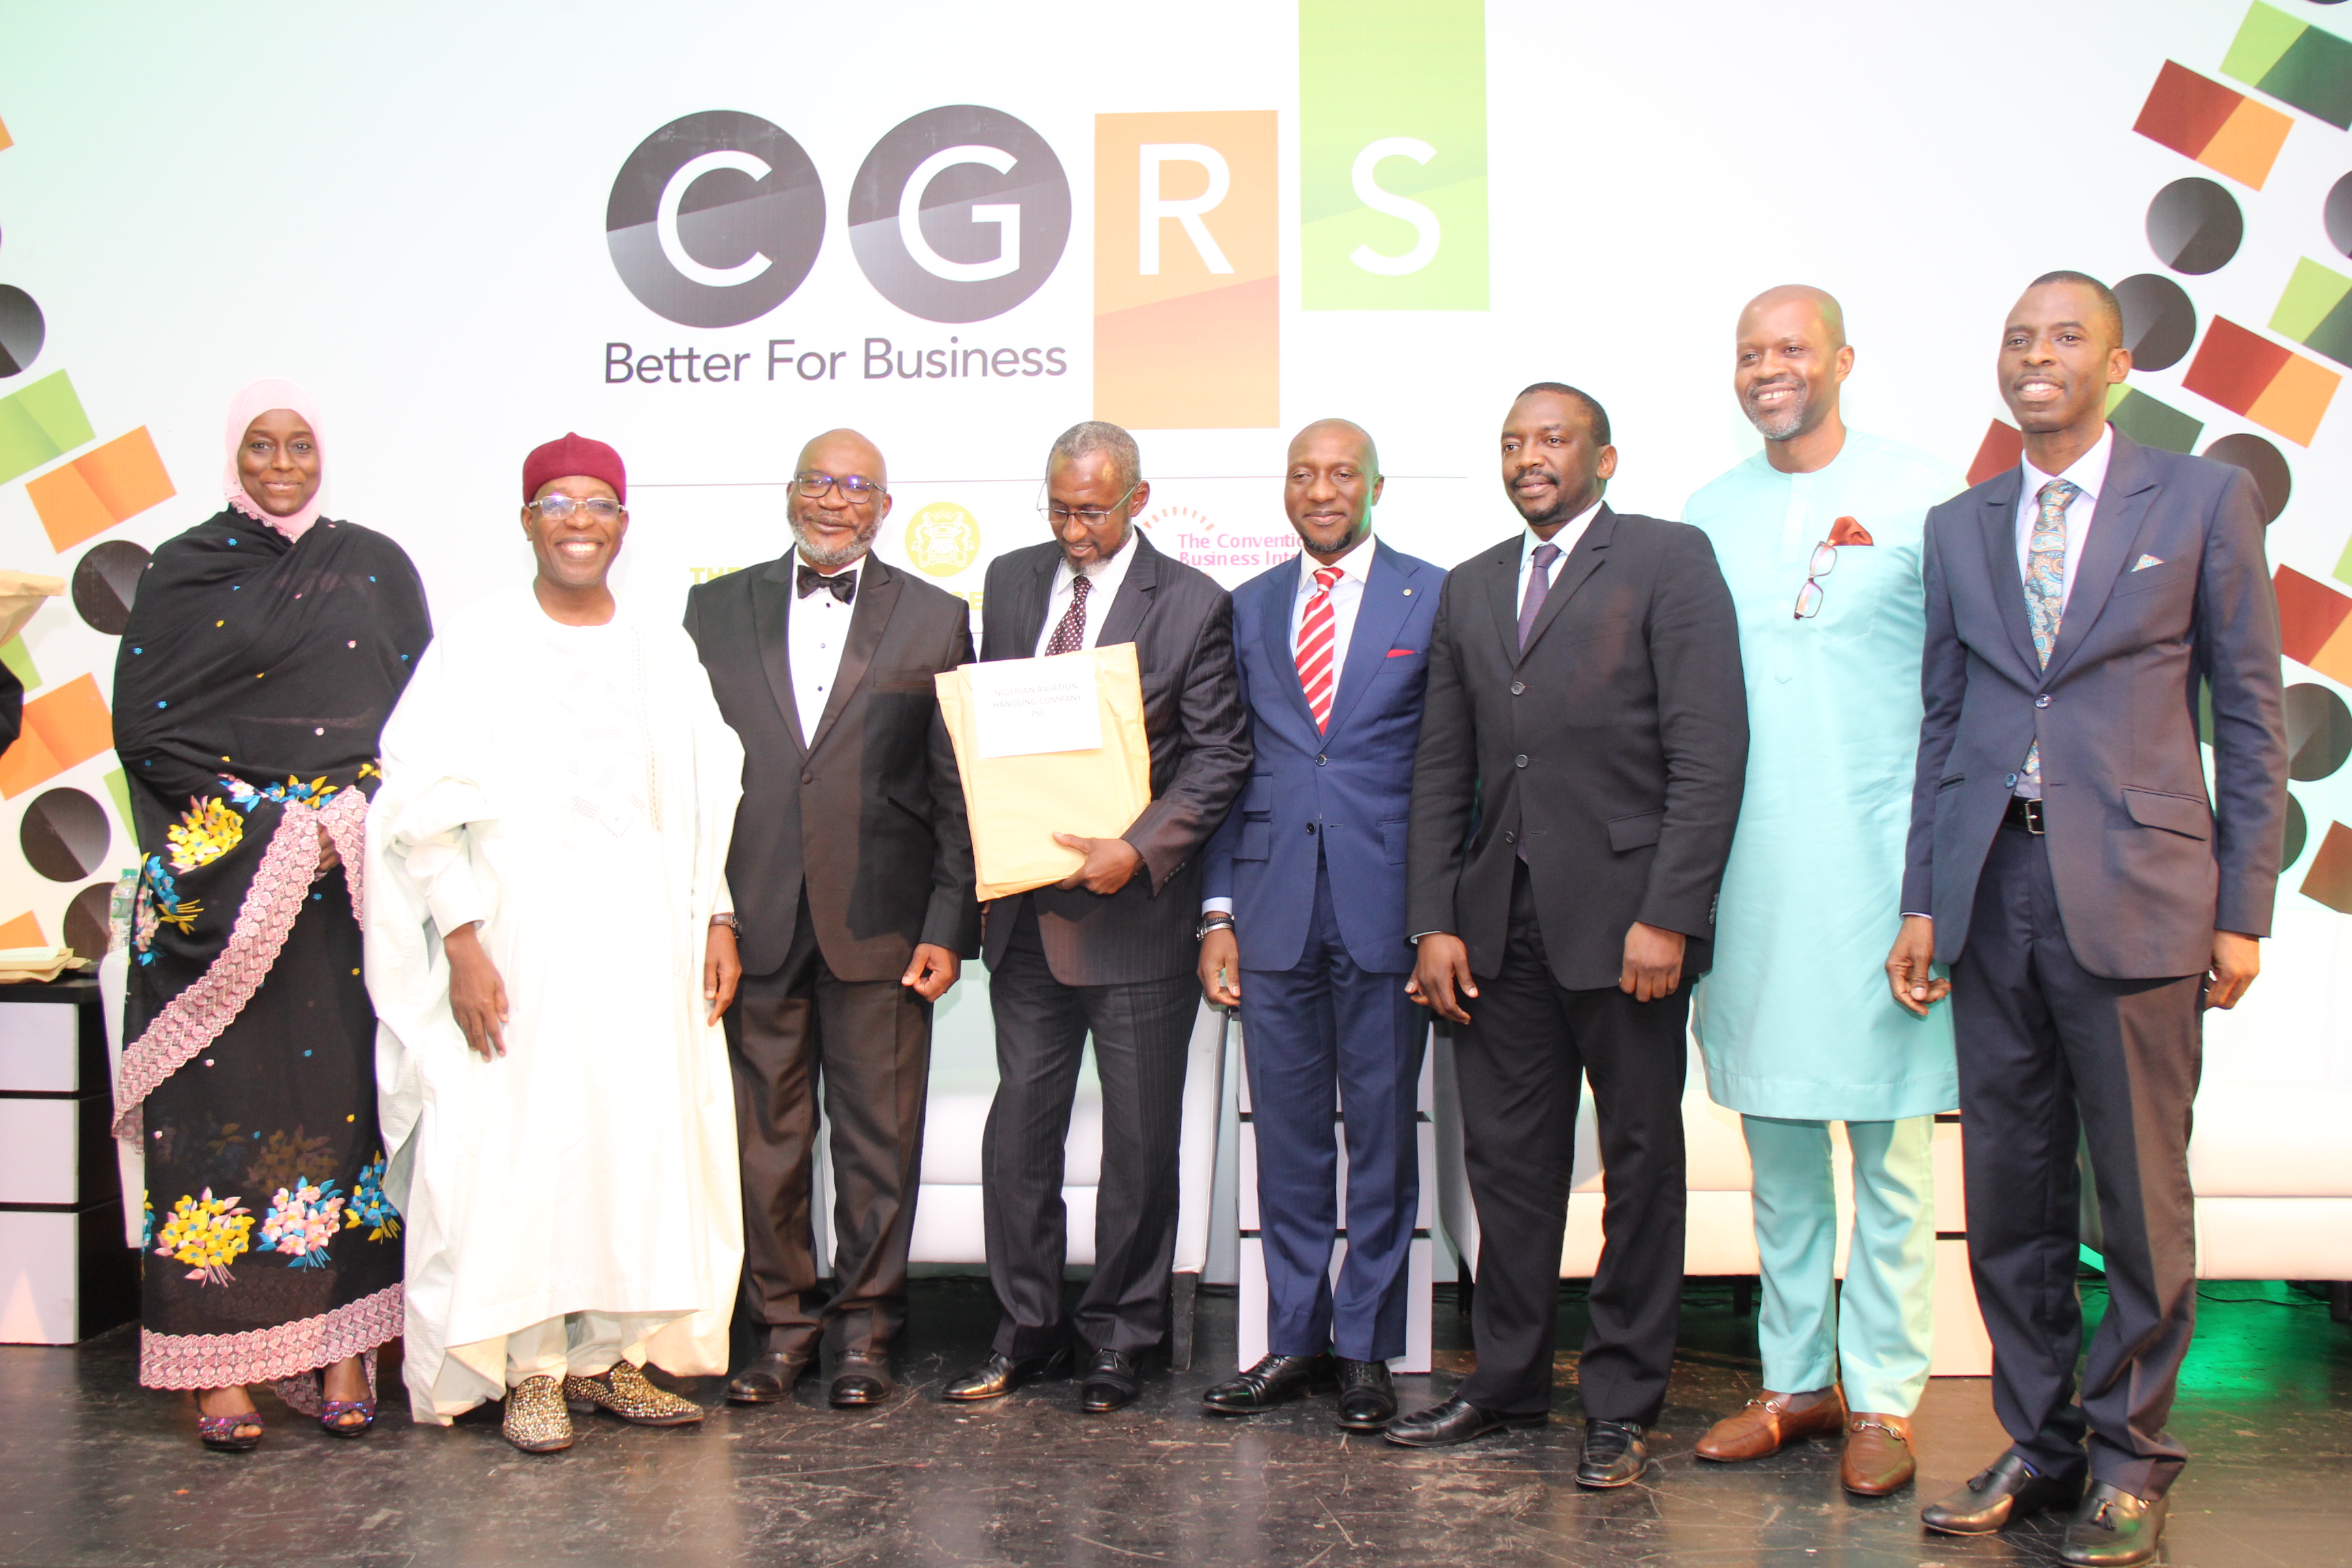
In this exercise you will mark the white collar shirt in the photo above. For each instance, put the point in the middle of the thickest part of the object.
(1569, 533)
(2088, 472)
(817, 628)
(1104, 577)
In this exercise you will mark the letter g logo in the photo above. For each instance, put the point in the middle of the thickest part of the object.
(958, 214)
(715, 220)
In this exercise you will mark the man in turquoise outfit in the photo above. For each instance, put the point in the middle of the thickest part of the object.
(1819, 536)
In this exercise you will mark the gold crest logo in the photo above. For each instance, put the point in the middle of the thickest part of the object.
(943, 538)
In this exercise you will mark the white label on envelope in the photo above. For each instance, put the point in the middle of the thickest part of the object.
(1022, 707)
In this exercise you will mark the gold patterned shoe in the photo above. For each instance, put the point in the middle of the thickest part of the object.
(537, 1422)
(624, 1392)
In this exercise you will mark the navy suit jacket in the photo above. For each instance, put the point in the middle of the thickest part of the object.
(2171, 589)
(1349, 789)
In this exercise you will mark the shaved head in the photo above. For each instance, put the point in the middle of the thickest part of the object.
(1821, 301)
(843, 451)
(1333, 479)
(836, 528)
(1366, 455)
(1790, 357)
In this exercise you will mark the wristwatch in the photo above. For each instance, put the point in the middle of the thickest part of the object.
(1214, 921)
(729, 920)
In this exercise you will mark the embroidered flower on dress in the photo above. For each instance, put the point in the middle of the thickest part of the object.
(147, 1220)
(207, 1233)
(207, 831)
(281, 1161)
(159, 904)
(370, 1206)
(318, 792)
(302, 1221)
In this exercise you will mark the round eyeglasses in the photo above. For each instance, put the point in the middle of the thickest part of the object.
(854, 488)
(1809, 597)
(556, 509)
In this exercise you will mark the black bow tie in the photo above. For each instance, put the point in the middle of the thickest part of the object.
(842, 585)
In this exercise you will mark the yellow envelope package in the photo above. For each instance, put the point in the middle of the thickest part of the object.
(1046, 746)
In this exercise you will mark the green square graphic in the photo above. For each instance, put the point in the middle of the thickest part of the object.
(42, 422)
(2311, 294)
(2294, 62)
(1392, 155)
(19, 661)
(2150, 423)
(2262, 40)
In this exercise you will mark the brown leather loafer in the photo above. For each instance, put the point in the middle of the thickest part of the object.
(1877, 1458)
(1767, 1424)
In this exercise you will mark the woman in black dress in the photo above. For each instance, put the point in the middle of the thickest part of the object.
(264, 651)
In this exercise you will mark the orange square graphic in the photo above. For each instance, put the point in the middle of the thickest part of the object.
(2329, 880)
(5, 144)
(25, 930)
(2248, 143)
(101, 489)
(2296, 400)
(2311, 616)
(63, 728)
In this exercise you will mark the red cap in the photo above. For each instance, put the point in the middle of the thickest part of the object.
(574, 455)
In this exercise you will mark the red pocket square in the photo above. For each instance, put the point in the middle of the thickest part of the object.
(1402, 652)
(1848, 531)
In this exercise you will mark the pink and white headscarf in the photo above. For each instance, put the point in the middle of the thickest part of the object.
(249, 405)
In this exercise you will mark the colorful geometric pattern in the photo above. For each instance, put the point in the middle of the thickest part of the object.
(2317, 310)
(2149, 422)
(2329, 880)
(2003, 448)
(63, 728)
(2294, 62)
(42, 422)
(2255, 378)
(2315, 624)
(25, 930)
(101, 489)
(2227, 132)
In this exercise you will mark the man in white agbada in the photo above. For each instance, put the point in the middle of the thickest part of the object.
(546, 864)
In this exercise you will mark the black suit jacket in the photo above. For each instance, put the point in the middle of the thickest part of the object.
(1613, 751)
(870, 813)
(1181, 624)
(2171, 589)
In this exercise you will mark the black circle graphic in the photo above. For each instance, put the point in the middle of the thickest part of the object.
(2266, 462)
(22, 331)
(2194, 226)
(724, 244)
(2338, 215)
(2298, 833)
(2159, 320)
(87, 928)
(2319, 732)
(963, 275)
(105, 581)
(63, 835)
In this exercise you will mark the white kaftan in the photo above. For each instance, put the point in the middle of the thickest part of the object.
(573, 788)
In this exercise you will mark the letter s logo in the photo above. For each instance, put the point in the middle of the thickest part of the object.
(1388, 203)
(958, 214)
(715, 220)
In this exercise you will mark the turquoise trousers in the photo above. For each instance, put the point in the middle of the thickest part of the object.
(1875, 1336)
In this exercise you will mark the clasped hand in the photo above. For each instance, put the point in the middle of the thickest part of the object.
(1108, 863)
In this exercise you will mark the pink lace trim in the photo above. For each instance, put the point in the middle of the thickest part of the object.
(303, 1391)
(267, 1355)
(195, 1017)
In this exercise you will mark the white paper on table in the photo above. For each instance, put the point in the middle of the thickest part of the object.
(1022, 707)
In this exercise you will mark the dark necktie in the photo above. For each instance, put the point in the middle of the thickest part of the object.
(1538, 587)
(842, 585)
(1070, 632)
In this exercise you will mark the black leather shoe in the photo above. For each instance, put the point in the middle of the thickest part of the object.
(1455, 1421)
(2003, 1493)
(860, 1380)
(1000, 1375)
(2112, 1528)
(767, 1380)
(1614, 1454)
(1367, 1398)
(1274, 1380)
(1111, 1381)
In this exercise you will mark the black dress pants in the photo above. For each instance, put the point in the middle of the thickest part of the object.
(869, 1043)
(2052, 1056)
(1517, 1068)
(1142, 1033)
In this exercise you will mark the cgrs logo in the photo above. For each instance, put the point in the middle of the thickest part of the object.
(958, 214)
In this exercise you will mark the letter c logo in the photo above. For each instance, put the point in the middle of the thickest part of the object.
(715, 220)
(674, 249)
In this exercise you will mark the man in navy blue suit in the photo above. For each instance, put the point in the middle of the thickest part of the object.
(1303, 928)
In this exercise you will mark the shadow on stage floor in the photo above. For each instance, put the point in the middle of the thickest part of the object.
(99, 1472)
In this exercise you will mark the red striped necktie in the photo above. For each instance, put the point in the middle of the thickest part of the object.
(1318, 631)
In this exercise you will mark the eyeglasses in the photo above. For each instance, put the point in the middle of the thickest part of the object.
(1809, 597)
(855, 489)
(555, 509)
(1058, 515)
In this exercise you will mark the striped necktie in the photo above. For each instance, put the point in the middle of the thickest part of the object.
(1318, 632)
(2045, 592)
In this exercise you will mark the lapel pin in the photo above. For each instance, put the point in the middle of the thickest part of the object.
(1408, 593)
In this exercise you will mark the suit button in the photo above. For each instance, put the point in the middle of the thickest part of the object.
(1509, 838)
(1520, 760)
(2010, 781)
(2043, 700)
(1310, 830)
(808, 778)
(1519, 688)
(1320, 761)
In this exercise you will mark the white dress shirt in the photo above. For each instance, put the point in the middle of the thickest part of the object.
(1569, 533)
(815, 630)
(1106, 576)
(2089, 472)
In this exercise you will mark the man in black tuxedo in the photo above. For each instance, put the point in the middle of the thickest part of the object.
(852, 876)
(1583, 748)
(1109, 950)
(2066, 862)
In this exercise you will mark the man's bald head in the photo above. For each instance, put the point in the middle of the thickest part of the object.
(836, 525)
(1332, 477)
(1323, 432)
(1778, 301)
(1790, 357)
(841, 452)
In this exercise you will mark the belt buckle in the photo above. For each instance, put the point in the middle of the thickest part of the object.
(2034, 818)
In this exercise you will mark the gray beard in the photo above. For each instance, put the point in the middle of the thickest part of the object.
(827, 560)
(1781, 426)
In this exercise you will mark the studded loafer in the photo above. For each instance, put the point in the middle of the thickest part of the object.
(623, 1391)
(536, 1420)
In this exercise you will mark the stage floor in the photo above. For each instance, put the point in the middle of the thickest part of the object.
(100, 1472)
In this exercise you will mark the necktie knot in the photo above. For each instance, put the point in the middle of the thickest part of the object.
(1326, 577)
(1080, 586)
(2057, 495)
(842, 585)
(1545, 554)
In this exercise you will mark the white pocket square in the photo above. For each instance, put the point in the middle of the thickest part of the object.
(2145, 561)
